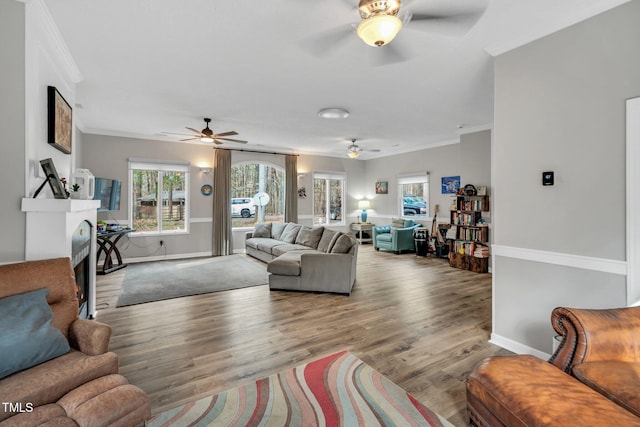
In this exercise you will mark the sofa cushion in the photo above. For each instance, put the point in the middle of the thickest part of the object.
(309, 236)
(28, 338)
(384, 237)
(343, 244)
(617, 381)
(253, 242)
(267, 245)
(262, 230)
(290, 233)
(49, 381)
(277, 228)
(327, 240)
(288, 247)
(285, 265)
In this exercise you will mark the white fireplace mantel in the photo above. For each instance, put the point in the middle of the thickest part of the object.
(50, 227)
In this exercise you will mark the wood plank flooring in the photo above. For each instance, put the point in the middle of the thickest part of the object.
(416, 320)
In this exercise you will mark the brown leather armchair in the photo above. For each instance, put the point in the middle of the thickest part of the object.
(593, 378)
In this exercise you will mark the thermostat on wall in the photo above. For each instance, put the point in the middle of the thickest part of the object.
(547, 178)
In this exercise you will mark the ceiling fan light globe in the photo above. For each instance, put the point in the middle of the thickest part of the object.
(379, 30)
(206, 139)
(353, 154)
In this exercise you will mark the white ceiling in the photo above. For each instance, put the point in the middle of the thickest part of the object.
(265, 68)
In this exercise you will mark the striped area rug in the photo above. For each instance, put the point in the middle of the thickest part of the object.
(337, 390)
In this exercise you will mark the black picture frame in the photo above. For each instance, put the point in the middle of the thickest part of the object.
(51, 175)
(60, 121)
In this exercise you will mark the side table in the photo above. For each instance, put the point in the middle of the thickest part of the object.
(363, 227)
(107, 243)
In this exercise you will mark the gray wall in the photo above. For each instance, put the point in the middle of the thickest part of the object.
(12, 129)
(560, 106)
(470, 159)
(106, 156)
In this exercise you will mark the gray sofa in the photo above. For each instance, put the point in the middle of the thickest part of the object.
(303, 258)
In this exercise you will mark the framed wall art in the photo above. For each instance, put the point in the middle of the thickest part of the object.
(450, 184)
(60, 125)
(382, 187)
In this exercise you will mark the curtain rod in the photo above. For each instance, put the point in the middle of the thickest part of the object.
(256, 151)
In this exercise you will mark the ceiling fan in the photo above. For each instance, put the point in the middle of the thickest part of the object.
(382, 20)
(354, 150)
(207, 135)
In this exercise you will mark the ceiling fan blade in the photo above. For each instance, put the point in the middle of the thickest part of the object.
(455, 24)
(173, 133)
(225, 134)
(321, 44)
(231, 140)
(193, 130)
(190, 139)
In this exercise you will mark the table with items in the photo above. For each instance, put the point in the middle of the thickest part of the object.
(107, 241)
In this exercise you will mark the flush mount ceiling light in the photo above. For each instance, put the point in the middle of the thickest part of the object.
(333, 113)
(380, 23)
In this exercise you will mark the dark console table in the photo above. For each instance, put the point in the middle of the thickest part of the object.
(107, 241)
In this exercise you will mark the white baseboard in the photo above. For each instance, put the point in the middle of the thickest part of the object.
(166, 257)
(517, 347)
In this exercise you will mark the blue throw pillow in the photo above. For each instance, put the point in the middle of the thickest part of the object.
(28, 338)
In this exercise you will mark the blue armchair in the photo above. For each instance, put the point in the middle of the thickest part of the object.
(396, 237)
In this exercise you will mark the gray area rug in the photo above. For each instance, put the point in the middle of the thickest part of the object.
(160, 280)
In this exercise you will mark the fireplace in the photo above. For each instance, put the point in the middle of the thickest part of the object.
(81, 250)
(65, 228)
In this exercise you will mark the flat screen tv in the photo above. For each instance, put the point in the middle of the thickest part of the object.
(108, 192)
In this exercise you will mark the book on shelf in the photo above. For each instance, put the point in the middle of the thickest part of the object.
(481, 251)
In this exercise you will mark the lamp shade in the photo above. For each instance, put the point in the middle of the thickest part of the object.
(364, 204)
(379, 30)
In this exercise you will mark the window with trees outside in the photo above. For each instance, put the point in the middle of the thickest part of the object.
(158, 197)
(414, 195)
(328, 197)
(257, 194)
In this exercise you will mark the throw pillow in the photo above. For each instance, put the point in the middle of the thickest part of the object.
(309, 236)
(290, 233)
(343, 244)
(327, 240)
(276, 229)
(28, 338)
(262, 230)
(397, 223)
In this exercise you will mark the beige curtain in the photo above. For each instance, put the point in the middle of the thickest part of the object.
(291, 189)
(222, 236)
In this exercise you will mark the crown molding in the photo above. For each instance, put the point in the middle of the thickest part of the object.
(43, 21)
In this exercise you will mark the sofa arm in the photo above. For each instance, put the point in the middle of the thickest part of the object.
(332, 271)
(381, 229)
(248, 235)
(596, 335)
(89, 337)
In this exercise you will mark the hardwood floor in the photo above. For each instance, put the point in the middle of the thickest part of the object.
(416, 320)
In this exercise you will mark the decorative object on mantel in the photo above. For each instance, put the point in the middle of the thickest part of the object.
(52, 178)
(82, 184)
(60, 123)
(450, 184)
(382, 187)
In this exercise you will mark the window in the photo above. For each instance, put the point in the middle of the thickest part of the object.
(328, 196)
(249, 180)
(414, 195)
(158, 197)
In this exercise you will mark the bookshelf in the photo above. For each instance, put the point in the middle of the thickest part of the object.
(468, 234)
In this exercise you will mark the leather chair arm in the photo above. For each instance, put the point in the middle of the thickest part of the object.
(596, 335)
(89, 336)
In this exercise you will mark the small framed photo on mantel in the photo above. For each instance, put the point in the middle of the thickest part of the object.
(60, 123)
